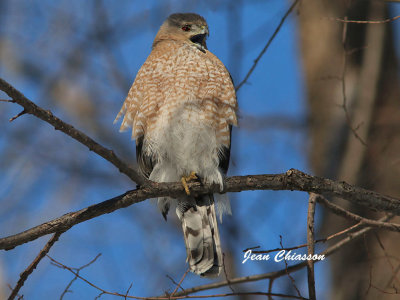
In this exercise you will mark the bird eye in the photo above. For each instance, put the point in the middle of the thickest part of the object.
(186, 27)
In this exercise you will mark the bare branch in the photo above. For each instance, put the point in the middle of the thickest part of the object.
(351, 228)
(60, 265)
(18, 115)
(362, 221)
(310, 245)
(267, 45)
(226, 273)
(291, 180)
(178, 285)
(127, 292)
(28, 271)
(287, 272)
(343, 81)
(276, 274)
(58, 124)
(394, 271)
(270, 283)
(367, 21)
(66, 290)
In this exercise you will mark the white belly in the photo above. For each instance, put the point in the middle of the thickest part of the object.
(183, 144)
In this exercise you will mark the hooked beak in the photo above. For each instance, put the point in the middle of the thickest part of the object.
(200, 37)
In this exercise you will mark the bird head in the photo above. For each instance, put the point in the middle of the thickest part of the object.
(188, 27)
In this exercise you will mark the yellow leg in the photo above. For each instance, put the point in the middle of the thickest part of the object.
(184, 181)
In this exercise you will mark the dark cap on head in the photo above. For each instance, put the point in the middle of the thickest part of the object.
(179, 18)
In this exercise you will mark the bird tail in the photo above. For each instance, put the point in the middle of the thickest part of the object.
(201, 235)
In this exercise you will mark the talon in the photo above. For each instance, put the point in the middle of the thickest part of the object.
(184, 181)
(192, 176)
(185, 186)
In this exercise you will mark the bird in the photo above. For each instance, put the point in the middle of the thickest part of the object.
(181, 107)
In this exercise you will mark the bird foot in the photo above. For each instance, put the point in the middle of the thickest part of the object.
(185, 180)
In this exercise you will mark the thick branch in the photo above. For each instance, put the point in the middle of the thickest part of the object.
(58, 124)
(291, 180)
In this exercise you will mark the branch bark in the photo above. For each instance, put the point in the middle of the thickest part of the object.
(291, 180)
(58, 124)
(312, 201)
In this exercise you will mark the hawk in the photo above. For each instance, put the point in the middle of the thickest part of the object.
(181, 108)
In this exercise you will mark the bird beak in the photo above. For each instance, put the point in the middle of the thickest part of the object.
(200, 37)
(204, 30)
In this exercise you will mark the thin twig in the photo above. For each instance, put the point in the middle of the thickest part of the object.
(305, 245)
(270, 283)
(58, 124)
(66, 290)
(352, 216)
(267, 45)
(369, 267)
(226, 273)
(276, 274)
(174, 282)
(310, 245)
(366, 21)
(103, 291)
(288, 273)
(394, 273)
(25, 274)
(179, 285)
(291, 180)
(127, 292)
(17, 116)
(99, 295)
(371, 285)
(343, 80)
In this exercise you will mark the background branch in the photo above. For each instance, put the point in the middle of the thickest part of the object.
(276, 274)
(267, 45)
(310, 245)
(58, 124)
(28, 271)
(368, 21)
(352, 216)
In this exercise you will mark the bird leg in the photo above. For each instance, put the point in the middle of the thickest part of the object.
(185, 179)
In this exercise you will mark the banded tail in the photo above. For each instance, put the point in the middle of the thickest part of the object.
(201, 235)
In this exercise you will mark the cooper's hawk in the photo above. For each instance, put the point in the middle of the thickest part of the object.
(181, 108)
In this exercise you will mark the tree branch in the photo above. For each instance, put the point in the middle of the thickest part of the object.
(58, 124)
(267, 45)
(167, 297)
(368, 21)
(25, 274)
(312, 201)
(351, 216)
(291, 180)
(77, 270)
(276, 274)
